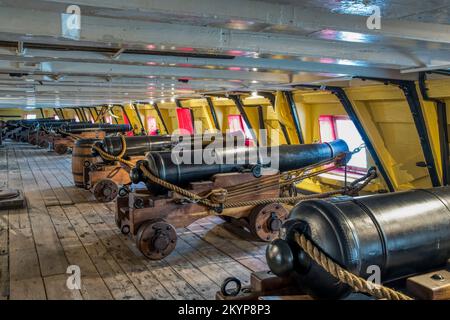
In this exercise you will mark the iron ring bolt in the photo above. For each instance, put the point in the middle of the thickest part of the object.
(139, 203)
(256, 170)
(123, 192)
(233, 291)
(219, 209)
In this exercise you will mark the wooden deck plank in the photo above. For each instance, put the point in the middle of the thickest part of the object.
(4, 230)
(226, 246)
(93, 260)
(25, 280)
(93, 285)
(4, 252)
(172, 276)
(203, 279)
(141, 277)
(230, 266)
(163, 272)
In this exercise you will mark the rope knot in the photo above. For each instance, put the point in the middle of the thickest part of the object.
(218, 195)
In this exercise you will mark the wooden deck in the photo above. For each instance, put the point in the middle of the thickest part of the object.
(63, 226)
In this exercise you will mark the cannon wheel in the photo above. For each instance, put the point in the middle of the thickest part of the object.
(265, 220)
(105, 190)
(44, 144)
(60, 148)
(156, 239)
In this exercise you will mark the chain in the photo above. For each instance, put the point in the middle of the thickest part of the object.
(358, 149)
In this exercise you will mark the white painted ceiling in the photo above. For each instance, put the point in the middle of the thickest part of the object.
(139, 50)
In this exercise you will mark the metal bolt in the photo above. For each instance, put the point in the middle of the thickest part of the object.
(438, 277)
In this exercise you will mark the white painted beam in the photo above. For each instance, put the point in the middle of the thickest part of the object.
(252, 64)
(44, 26)
(284, 16)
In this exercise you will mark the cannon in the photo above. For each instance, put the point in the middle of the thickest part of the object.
(290, 157)
(64, 140)
(140, 145)
(152, 214)
(401, 234)
(77, 128)
(107, 178)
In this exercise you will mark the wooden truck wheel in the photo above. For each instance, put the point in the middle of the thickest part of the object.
(44, 144)
(265, 220)
(105, 190)
(156, 239)
(60, 148)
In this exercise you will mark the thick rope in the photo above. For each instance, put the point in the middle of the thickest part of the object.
(355, 282)
(74, 136)
(216, 199)
(111, 157)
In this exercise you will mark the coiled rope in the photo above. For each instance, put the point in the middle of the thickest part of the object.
(355, 282)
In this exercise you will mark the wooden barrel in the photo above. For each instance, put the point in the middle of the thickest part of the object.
(81, 156)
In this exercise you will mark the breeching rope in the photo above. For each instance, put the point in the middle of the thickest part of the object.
(217, 199)
(355, 282)
(74, 136)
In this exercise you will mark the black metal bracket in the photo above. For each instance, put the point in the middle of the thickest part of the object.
(84, 112)
(294, 114)
(412, 97)
(91, 113)
(111, 109)
(97, 114)
(155, 105)
(62, 114)
(269, 96)
(262, 124)
(441, 110)
(126, 115)
(79, 114)
(138, 114)
(42, 113)
(240, 106)
(348, 107)
(212, 109)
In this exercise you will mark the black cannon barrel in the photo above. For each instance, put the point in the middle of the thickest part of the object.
(140, 145)
(402, 234)
(137, 145)
(58, 124)
(40, 120)
(290, 157)
(79, 128)
(32, 122)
